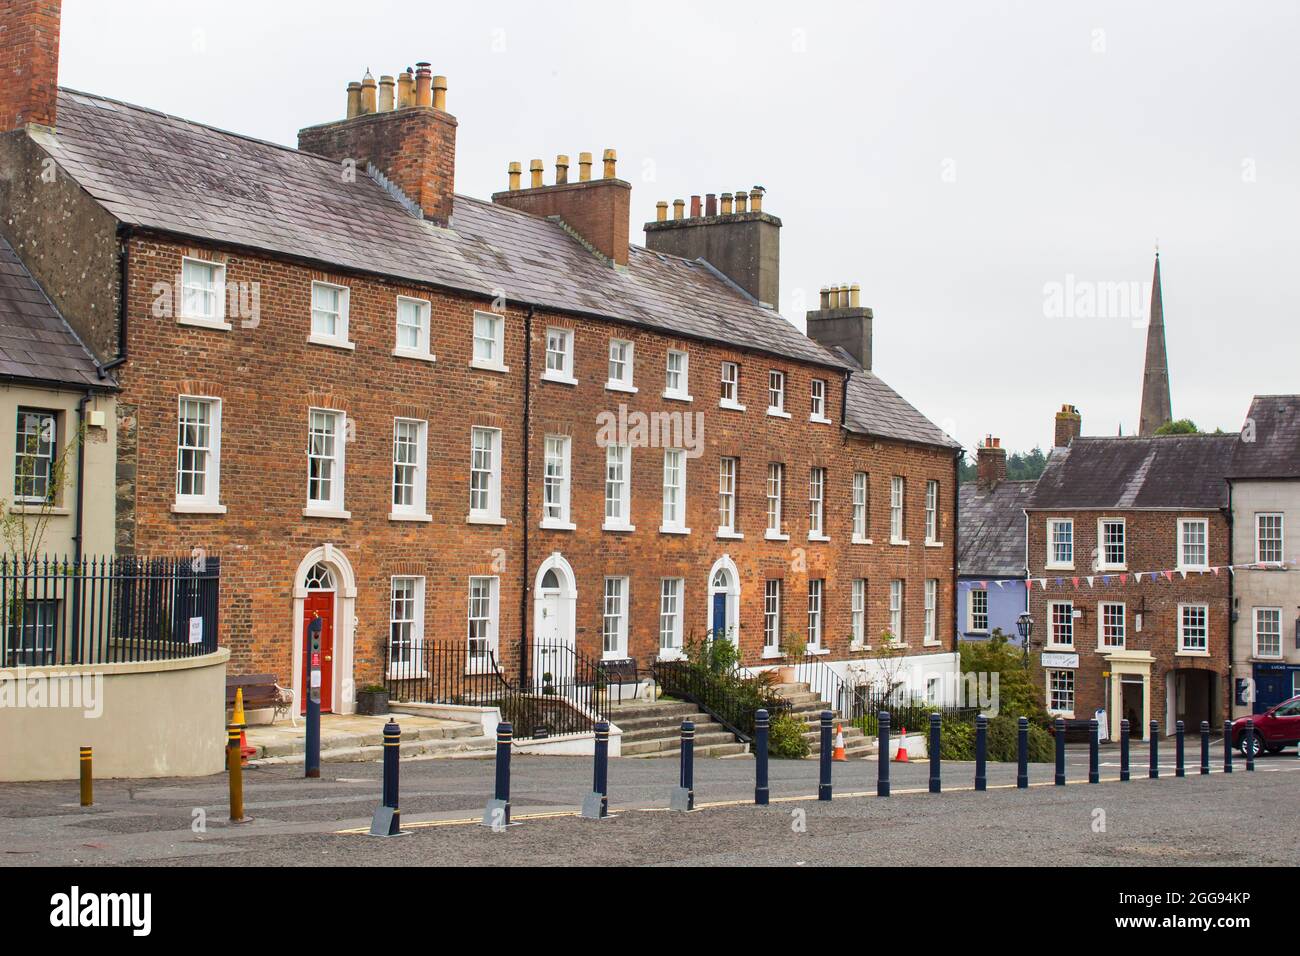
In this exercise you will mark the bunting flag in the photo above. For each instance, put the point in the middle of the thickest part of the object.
(1123, 579)
(1089, 580)
(1168, 575)
(1137, 577)
(1184, 574)
(1216, 571)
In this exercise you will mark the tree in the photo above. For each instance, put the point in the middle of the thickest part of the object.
(1184, 426)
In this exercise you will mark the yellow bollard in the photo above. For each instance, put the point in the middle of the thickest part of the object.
(238, 718)
(235, 773)
(87, 778)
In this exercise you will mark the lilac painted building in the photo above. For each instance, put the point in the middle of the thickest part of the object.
(991, 568)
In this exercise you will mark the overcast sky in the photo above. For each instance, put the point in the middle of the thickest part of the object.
(960, 161)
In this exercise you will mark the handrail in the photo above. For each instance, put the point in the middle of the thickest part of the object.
(715, 695)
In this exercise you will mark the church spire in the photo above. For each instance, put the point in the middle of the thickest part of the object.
(1155, 380)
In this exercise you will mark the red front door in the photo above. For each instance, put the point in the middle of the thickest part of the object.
(319, 604)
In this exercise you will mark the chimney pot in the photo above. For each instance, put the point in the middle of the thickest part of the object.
(514, 171)
(726, 204)
(756, 199)
(561, 169)
(855, 296)
(354, 99)
(826, 298)
(405, 90)
(679, 207)
(369, 99)
(386, 88)
(711, 204)
(695, 207)
(1069, 425)
(423, 85)
(584, 167)
(610, 158)
(440, 93)
(741, 197)
(535, 169)
(661, 211)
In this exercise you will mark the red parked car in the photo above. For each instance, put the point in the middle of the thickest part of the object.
(1277, 727)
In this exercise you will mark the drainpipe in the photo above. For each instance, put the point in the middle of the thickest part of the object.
(124, 233)
(956, 544)
(527, 495)
(1233, 618)
(79, 524)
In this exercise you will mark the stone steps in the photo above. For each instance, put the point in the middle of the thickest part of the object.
(464, 745)
(654, 730)
(807, 707)
(294, 747)
(721, 751)
(656, 745)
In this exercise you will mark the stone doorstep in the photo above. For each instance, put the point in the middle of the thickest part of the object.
(353, 732)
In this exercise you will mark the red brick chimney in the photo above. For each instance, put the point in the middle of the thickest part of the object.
(1068, 426)
(408, 135)
(598, 210)
(29, 63)
(990, 462)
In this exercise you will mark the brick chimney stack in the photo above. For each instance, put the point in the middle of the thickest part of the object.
(408, 135)
(842, 321)
(1069, 424)
(990, 462)
(598, 210)
(741, 241)
(29, 63)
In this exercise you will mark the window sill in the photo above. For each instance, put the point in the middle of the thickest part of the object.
(613, 386)
(730, 406)
(977, 632)
(730, 535)
(934, 544)
(1058, 567)
(1108, 648)
(326, 513)
(402, 674)
(404, 516)
(489, 367)
(1060, 648)
(414, 354)
(819, 538)
(820, 420)
(1068, 714)
(673, 655)
(777, 413)
(218, 325)
(1191, 654)
(854, 647)
(677, 397)
(1193, 569)
(331, 343)
(559, 379)
(775, 536)
(816, 651)
(899, 542)
(484, 519)
(771, 653)
(861, 541)
(554, 524)
(186, 508)
(673, 529)
(931, 642)
(37, 509)
(617, 526)
(1111, 568)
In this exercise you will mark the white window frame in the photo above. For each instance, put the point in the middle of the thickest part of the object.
(490, 636)
(897, 610)
(1067, 622)
(42, 461)
(728, 471)
(422, 350)
(674, 492)
(217, 290)
(1182, 563)
(817, 402)
(931, 635)
(861, 503)
(557, 480)
(897, 510)
(732, 402)
(339, 338)
(563, 374)
(1281, 538)
(858, 614)
(1103, 644)
(620, 457)
(415, 623)
(496, 361)
(488, 510)
(775, 491)
(614, 611)
(972, 616)
(682, 391)
(817, 504)
(932, 512)
(1183, 647)
(772, 617)
(1256, 631)
(622, 352)
(415, 509)
(816, 592)
(776, 394)
(1102, 563)
(333, 507)
(1053, 525)
(210, 501)
(670, 618)
(1055, 683)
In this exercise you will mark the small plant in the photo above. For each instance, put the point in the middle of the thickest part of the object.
(785, 738)
(548, 684)
(373, 689)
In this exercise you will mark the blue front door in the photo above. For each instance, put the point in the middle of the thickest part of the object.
(719, 615)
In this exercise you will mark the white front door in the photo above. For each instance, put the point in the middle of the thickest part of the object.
(551, 638)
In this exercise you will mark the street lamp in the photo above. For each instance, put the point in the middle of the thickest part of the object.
(1025, 627)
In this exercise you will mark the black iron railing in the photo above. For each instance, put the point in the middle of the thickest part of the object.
(729, 696)
(58, 611)
(567, 694)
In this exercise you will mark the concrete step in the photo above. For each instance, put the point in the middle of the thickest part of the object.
(658, 744)
(640, 711)
(294, 747)
(706, 725)
(671, 724)
(793, 688)
(733, 749)
(432, 747)
(804, 698)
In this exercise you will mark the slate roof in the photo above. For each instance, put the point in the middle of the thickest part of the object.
(873, 408)
(1273, 425)
(160, 172)
(991, 528)
(1167, 471)
(36, 344)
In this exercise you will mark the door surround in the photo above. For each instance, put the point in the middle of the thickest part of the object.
(732, 592)
(1133, 664)
(345, 624)
(568, 603)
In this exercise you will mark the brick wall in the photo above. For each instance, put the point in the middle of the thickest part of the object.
(29, 62)
(597, 210)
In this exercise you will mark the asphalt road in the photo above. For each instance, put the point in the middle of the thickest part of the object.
(1242, 819)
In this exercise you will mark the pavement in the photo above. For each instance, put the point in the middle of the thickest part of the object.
(1238, 819)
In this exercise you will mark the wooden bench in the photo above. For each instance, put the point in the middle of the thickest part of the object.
(262, 691)
(618, 673)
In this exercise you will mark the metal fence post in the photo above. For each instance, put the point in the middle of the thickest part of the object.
(1250, 744)
(760, 758)
(882, 755)
(1205, 747)
(936, 742)
(1022, 753)
(1124, 731)
(1154, 771)
(235, 773)
(824, 781)
(981, 752)
(497, 814)
(1180, 769)
(1094, 744)
(1060, 752)
(87, 778)
(1227, 746)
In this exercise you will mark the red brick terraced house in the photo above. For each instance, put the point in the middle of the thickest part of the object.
(425, 417)
(1128, 548)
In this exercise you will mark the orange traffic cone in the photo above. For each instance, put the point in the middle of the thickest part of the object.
(245, 751)
(901, 755)
(838, 752)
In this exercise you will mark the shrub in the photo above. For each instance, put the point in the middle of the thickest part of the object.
(785, 738)
(956, 739)
(1018, 695)
(1003, 733)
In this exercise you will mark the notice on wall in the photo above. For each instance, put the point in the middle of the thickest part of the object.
(315, 678)
(196, 630)
(1051, 659)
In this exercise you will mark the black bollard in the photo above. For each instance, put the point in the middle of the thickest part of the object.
(497, 814)
(311, 743)
(1094, 743)
(936, 743)
(760, 758)
(1179, 769)
(683, 797)
(387, 820)
(1250, 744)
(1227, 746)
(824, 784)
(981, 752)
(882, 756)
(1060, 752)
(596, 805)
(1124, 732)
(1022, 753)
(1154, 771)
(1205, 748)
